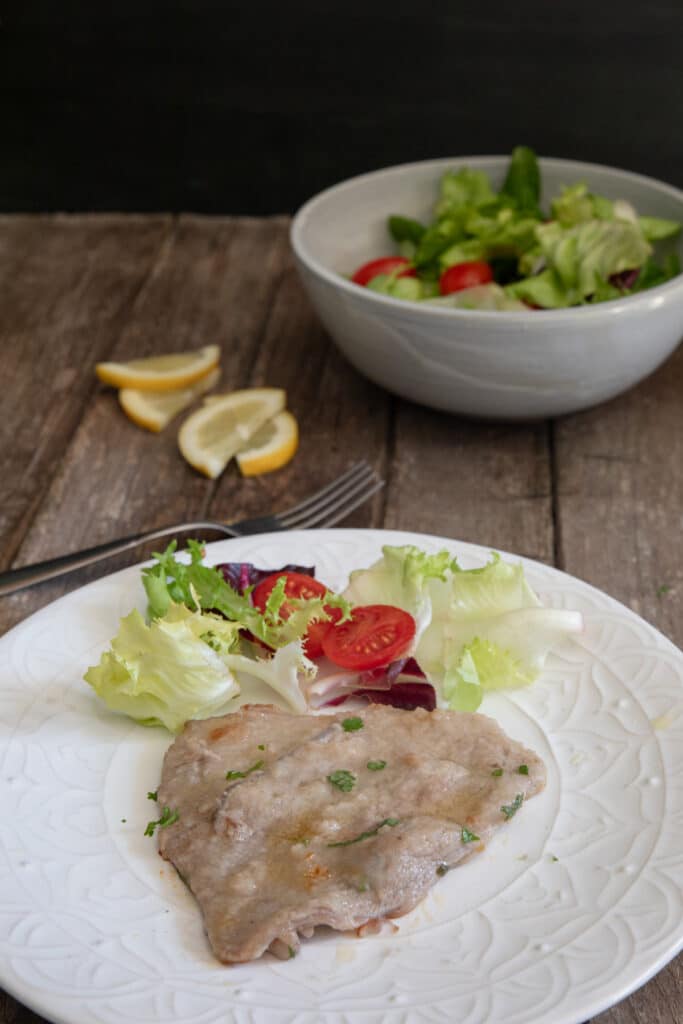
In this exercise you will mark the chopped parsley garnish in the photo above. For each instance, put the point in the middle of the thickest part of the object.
(442, 869)
(553, 858)
(664, 589)
(343, 780)
(497, 772)
(123, 821)
(261, 746)
(152, 796)
(468, 837)
(391, 822)
(292, 952)
(242, 775)
(168, 817)
(523, 769)
(509, 810)
(352, 724)
(376, 766)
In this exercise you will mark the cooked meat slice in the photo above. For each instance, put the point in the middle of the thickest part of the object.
(287, 822)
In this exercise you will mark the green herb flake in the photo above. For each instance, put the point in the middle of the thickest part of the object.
(390, 822)
(152, 796)
(292, 952)
(442, 869)
(664, 589)
(523, 769)
(497, 772)
(261, 746)
(553, 858)
(242, 775)
(376, 766)
(468, 837)
(509, 810)
(123, 821)
(168, 817)
(352, 724)
(343, 780)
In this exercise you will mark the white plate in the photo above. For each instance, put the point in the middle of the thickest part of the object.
(571, 907)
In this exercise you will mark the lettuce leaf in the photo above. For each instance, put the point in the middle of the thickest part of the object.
(284, 672)
(656, 229)
(463, 188)
(523, 180)
(201, 587)
(400, 578)
(477, 629)
(482, 296)
(169, 671)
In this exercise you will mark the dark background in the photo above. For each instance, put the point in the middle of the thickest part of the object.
(211, 106)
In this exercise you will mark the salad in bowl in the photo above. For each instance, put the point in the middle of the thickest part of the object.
(500, 250)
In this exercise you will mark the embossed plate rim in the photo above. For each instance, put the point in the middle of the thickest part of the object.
(574, 1006)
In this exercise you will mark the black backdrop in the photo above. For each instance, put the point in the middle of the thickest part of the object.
(249, 108)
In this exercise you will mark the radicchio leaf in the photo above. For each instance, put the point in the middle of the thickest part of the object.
(241, 575)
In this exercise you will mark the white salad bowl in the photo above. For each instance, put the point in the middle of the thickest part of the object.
(496, 364)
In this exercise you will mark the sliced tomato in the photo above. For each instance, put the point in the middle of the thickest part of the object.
(297, 584)
(304, 587)
(313, 642)
(465, 275)
(374, 635)
(384, 265)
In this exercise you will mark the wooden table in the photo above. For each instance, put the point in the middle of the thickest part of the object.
(598, 494)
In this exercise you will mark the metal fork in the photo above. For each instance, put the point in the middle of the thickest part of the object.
(326, 508)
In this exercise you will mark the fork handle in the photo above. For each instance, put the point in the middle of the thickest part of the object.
(52, 568)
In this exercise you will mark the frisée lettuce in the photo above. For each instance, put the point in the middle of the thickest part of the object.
(475, 630)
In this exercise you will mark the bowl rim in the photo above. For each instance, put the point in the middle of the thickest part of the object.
(611, 307)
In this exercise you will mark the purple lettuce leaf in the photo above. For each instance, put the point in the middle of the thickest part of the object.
(241, 575)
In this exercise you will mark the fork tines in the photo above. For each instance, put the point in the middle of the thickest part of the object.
(336, 501)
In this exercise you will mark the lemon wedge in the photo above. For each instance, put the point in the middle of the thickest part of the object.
(271, 447)
(154, 410)
(210, 437)
(161, 373)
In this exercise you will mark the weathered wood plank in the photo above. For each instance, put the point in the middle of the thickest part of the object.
(620, 497)
(212, 284)
(482, 482)
(61, 313)
(73, 290)
(342, 417)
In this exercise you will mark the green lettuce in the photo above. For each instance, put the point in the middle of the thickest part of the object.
(477, 629)
(201, 587)
(482, 296)
(523, 180)
(463, 188)
(656, 229)
(168, 671)
(400, 578)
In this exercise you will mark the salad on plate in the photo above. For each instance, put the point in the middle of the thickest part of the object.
(412, 630)
(500, 250)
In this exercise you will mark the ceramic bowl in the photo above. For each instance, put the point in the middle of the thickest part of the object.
(503, 365)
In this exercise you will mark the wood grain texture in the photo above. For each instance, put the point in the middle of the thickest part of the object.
(599, 494)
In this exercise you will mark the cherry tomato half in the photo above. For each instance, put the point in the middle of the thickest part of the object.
(374, 635)
(385, 265)
(313, 641)
(297, 584)
(304, 587)
(465, 275)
